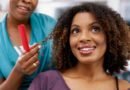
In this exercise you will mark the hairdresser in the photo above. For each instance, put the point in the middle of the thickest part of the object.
(18, 67)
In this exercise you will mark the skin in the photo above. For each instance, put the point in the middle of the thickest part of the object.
(88, 44)
(87, 39)
(21, 9)
(19, 12)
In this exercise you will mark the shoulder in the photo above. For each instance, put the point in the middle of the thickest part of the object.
(43, 21)
(42, 81)
(48, 74)
(49, 77)
(47, 80)
(124, 85)
(42, 16)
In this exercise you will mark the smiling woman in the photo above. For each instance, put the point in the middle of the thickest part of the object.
(17, 71)
(87, 38)
(90, 44)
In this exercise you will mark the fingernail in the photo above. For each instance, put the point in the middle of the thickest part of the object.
(39, 46)
(34, 43)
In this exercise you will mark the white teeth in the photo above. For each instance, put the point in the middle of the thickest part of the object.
(86, 49)
(23, 8)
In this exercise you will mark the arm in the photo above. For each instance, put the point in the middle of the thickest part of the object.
(12, 82)
(1, 80)
(24, 66)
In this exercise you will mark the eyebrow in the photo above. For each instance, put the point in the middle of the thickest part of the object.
(95, 22)
(74, 25)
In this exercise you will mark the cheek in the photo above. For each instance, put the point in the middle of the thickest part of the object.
(12, 4)
(72, 45)
(100, 41)
(72, 42)
(102, 44)
(34, 3)
(104, 41)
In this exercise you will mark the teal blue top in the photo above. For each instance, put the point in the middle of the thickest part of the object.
(41, 26)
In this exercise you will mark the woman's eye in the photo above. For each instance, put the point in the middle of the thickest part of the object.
(75, 30)
(96, 29)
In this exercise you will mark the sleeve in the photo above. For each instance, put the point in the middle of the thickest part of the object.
(39, 83)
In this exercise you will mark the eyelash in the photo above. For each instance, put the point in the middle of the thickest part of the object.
(75, 30)
(96, 29)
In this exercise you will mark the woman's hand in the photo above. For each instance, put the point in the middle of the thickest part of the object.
(28, 62)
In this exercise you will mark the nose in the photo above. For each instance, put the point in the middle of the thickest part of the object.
(85, 37)
(28, 1)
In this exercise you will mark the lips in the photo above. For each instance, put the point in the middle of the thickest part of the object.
(85, 50)
(23, 9)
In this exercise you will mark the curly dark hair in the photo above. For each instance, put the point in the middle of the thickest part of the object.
(116, 31)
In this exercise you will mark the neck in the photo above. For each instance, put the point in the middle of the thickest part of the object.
(90, 72)
(13, 22)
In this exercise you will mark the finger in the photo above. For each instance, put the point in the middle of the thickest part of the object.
(33, 51)
(30, 54)
(32, 67)
(31, 72)
(31, 47)
(34, 45)
(31, 60)
(26, 70)
(25, 64)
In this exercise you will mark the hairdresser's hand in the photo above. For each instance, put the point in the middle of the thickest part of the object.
(28, 62)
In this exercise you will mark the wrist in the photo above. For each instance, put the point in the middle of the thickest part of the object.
(18, 73)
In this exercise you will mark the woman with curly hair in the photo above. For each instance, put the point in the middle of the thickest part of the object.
(90, 44)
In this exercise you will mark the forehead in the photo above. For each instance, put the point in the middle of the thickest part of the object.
(84, 17)
(25, 0)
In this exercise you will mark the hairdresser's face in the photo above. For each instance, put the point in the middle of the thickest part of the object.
(21, 9)
(87, 39)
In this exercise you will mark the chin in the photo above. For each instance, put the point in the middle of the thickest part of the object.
(87, 60)
(22, 18)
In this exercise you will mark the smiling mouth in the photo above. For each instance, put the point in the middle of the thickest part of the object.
(86, 50)
(23, 9)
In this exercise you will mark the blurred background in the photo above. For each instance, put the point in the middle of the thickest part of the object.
(54, 8)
